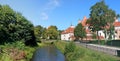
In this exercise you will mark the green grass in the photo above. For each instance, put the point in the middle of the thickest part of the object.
(76, 53)
(84, 54)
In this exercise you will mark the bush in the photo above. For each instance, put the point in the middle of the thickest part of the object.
(78, 53)
(16, 50)
(70, 47)
(73, 56)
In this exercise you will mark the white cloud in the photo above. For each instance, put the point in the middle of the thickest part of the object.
(44, 16)
(52, 4)
(56, 2)
(49, 6)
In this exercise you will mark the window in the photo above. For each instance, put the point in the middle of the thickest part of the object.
(100, 34)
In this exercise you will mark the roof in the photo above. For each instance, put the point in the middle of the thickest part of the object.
(84, 21)
(69, 30)
(116, 24)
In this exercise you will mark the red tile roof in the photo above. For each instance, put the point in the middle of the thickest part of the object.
(116, 24)
(69, 30)
(84, 21)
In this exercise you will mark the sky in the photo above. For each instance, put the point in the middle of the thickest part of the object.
(61, 13)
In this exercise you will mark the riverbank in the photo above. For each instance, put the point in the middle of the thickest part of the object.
(83, 54)
(17, 51)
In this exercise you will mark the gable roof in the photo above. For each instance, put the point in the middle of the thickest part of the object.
(84, 21)
(69, 30)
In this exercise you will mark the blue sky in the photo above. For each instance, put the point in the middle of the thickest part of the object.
(61, 13)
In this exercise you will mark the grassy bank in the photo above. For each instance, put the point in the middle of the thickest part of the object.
(17, 51)
(78, 53)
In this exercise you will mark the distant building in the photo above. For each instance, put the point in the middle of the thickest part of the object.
(117, 29)
(68, 34)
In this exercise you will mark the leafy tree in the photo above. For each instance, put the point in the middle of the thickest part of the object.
(52, 32)
(38, 30)
(100, 17)
(14, 26)
(44, 34)
(7, 17)
(59, 31)
(79, 31)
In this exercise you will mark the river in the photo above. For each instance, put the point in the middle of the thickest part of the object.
(48, 53)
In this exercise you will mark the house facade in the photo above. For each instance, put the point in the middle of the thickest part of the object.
(68, 34)
(116, 35)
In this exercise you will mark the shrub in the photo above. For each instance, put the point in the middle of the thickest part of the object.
(70, 47)
(79, 53)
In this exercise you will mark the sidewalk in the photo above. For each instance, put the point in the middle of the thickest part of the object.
(102, 48)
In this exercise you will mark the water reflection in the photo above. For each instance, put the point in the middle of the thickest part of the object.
(48, 53)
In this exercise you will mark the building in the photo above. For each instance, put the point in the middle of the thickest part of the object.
(86, 26)
(117, 29)
(68, 34)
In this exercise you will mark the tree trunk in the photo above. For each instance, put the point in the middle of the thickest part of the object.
(105, 36)
(98, 38)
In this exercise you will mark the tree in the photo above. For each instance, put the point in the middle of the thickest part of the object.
(59, 31)
(38, 30)
(7, 18)
(44, 34)
(14, 26)
(52, 32)
(101, 17)
(79, 31)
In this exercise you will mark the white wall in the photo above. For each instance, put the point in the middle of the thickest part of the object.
(117, 28)
(66, 36)
(101, 33)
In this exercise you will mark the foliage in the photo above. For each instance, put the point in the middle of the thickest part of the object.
(79, 31)
(11, 51)
(14, 26)
(52, 32)
(44, 34)
(70, 47)
(94, 36)
(38, 30)
(60, 45)
(83, 54)
(101, 18)
(5, 57)
(59, 35)
(97, 16)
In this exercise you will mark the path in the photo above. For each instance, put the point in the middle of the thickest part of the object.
(102, 48)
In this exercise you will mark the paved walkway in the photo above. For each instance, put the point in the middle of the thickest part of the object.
(102, 48)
